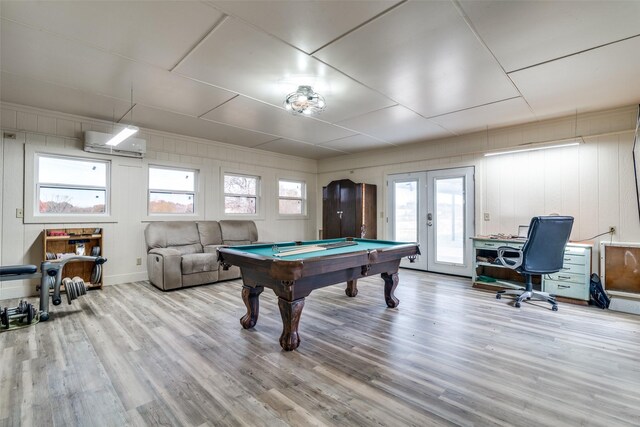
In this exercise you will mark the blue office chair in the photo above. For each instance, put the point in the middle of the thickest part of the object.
(542, 253)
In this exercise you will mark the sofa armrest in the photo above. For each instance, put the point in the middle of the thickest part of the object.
(165, 252)
(164, 266)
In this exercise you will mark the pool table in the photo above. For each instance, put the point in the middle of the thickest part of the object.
(294, 269)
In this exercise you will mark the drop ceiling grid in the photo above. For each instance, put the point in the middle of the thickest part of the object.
(396, 125)
(252, 63)
(305, 25)
(423, 55)
(300, 149)
(26, 91)
(159, 35)
(153, 118)
(73, 64)
(522, 34)
(248, 113)
(555, 88)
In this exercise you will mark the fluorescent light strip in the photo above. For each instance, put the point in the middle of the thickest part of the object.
(499, 153)
(122, 135)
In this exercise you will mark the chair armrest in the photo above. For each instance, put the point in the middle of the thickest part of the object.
(509, 262)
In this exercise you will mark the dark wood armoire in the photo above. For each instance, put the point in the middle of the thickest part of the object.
(349, 210)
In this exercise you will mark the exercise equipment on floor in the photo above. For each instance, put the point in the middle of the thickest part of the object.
(51, 283)
(22, 315)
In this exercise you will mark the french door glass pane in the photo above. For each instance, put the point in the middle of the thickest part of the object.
(449, 222)
(406, 211)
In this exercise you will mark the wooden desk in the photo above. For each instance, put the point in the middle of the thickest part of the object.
(571, 282)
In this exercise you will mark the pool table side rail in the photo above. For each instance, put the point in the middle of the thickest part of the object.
(297, 268)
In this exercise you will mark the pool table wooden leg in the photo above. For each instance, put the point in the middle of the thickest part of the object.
(352, 288)
(290, 312)
(250, 296)
(390, 284)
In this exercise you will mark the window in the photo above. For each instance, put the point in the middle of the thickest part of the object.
(241, 194)
(171, 191)
(71, 186)
(291, 197)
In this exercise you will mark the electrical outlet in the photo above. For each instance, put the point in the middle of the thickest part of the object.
(138, 261)
(612, 229)
(487, 217)
(19, 213)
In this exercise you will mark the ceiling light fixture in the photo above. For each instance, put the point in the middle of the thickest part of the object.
(304, 101)
(122, 135)
(533, 147)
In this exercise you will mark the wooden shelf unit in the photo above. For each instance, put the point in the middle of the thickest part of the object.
(66, 244)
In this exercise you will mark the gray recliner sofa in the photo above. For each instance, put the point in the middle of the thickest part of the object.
(183, 253)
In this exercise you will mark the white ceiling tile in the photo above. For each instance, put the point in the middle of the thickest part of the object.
(424, 56)
(248, 113)
(241, 59)
(307, 25)
(300, 149)
(593, 80)
(159, 32)
(396, 125)
(153, 118)
(510, 112)
(73, 64)
(524, 33)
(23, 90)
(356, 143)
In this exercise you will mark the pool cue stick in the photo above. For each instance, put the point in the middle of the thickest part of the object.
(295, 248)
(301, 251)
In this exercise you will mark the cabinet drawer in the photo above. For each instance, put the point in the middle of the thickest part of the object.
(574, 250)
(483, 244)
(567, 289)
(572, 268)
(570, 258)
(562, 276)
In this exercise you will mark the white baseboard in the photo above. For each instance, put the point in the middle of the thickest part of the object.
(626, 305)
(125, 278)
(25, 288)
(17, 289)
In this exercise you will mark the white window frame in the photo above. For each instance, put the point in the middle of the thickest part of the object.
(259, 210)
(303, 199)
(32, 185)
(194, 193)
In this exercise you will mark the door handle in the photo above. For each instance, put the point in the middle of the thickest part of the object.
(339, 214)
(429, 219)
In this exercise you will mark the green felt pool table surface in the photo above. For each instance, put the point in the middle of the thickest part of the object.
(267, 250)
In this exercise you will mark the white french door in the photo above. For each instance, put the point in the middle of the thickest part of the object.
(436, 209)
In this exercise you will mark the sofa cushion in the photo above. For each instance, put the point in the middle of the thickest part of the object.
(198, 263)
(238, 232)
(210, 233)
(171, 233)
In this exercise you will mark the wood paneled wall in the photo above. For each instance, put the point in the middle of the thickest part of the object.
(594, 182)
(124, 239)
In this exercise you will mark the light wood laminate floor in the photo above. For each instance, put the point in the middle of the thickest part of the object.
(448, 355)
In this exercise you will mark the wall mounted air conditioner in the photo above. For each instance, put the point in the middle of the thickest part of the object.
(96, 142)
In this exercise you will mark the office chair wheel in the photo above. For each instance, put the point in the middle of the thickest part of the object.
(517, 304)
(554, 308)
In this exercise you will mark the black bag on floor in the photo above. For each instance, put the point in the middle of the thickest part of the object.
(598, 295)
